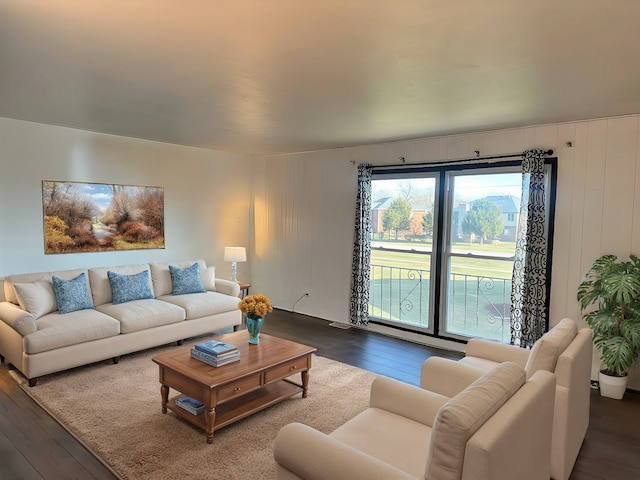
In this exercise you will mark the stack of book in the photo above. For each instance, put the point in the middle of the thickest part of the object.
(215, 353)
(191, 405)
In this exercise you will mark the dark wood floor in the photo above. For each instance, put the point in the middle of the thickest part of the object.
(34, 446)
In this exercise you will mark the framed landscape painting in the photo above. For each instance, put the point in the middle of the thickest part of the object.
(98, 217)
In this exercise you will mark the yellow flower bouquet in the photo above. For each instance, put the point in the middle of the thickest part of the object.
(255, 306)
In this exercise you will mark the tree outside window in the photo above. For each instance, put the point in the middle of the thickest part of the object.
(398, 216)
(427, 223)
(484, 220)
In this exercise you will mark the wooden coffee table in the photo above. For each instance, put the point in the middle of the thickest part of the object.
(236, 390)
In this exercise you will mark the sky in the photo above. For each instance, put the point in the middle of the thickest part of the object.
(99, 193)
(467, 187)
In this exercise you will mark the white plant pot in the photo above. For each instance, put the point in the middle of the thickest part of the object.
(612, 387)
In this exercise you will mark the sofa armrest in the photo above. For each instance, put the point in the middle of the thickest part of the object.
(447, 377)
(228, 287)
(309, 454)
(497, 352)
(406, 400)
(18, 319)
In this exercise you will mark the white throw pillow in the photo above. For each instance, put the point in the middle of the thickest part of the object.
(209, 278)
(37, 298)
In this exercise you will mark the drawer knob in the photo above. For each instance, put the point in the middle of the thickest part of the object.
(292, 368)
(237, 389)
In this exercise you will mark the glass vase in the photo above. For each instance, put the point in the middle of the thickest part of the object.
(254, 325)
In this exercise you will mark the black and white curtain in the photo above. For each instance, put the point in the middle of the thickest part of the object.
(361, 250)
(528, 291)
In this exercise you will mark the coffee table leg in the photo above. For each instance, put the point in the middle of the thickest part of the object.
(305, 383)
(164, 392)
(210, 420)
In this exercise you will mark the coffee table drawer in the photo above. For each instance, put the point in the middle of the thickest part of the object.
(286, 370)
(239, 387)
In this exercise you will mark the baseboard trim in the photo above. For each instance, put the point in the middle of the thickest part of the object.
(343, 326)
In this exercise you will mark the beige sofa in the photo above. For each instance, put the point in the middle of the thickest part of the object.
(38, 340)
(565, 351)
(497, 428)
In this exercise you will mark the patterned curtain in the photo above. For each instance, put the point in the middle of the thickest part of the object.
(528, 291)
(361, 250)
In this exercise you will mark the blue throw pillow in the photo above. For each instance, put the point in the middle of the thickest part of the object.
(125, 288)
(72, 295)
(186, 280)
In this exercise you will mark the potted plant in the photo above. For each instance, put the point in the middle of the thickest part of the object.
(613, 287)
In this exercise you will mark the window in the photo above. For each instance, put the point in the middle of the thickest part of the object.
(442, 249)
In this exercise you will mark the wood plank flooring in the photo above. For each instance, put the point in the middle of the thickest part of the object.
(34, 446)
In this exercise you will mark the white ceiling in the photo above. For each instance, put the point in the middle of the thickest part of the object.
(269, 76)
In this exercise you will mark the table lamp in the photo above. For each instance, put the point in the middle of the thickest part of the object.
(234, 255)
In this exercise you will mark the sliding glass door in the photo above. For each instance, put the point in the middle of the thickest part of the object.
(442, 250)
(403, 232)
(478, 251)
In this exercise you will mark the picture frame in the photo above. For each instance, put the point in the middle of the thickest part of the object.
(97, 217)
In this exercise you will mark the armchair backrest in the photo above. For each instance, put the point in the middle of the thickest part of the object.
(463, 415)
(546, 351)
(516, 441)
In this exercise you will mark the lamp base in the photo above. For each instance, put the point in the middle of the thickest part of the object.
(234, 272)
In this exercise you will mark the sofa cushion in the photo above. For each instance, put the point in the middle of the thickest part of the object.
(545, 352)
(464, 414)
(125, 288)
(101, 286)
(477, 362)
(161, 277)
(394, 439)
(142, 314)
(199, 305)
(186, 280)
(37, 298)
(72, 295)
(57, 331)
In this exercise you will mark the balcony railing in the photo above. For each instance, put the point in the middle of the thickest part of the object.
(399, 294)
(477, 306)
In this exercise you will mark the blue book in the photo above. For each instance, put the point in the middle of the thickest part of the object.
(215, 347)
(214, 361)
(191, 401)
(190, 404)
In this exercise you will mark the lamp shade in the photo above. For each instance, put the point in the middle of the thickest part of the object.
(235, 254)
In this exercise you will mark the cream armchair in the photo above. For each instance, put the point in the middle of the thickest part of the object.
(497, 428)
(563, 350)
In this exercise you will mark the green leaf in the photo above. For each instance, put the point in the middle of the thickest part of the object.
(617, 354)
(631, 331)
(622, 286)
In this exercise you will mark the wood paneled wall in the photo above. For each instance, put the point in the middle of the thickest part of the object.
(304, 203)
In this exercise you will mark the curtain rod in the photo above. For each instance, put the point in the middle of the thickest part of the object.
(455, 162)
